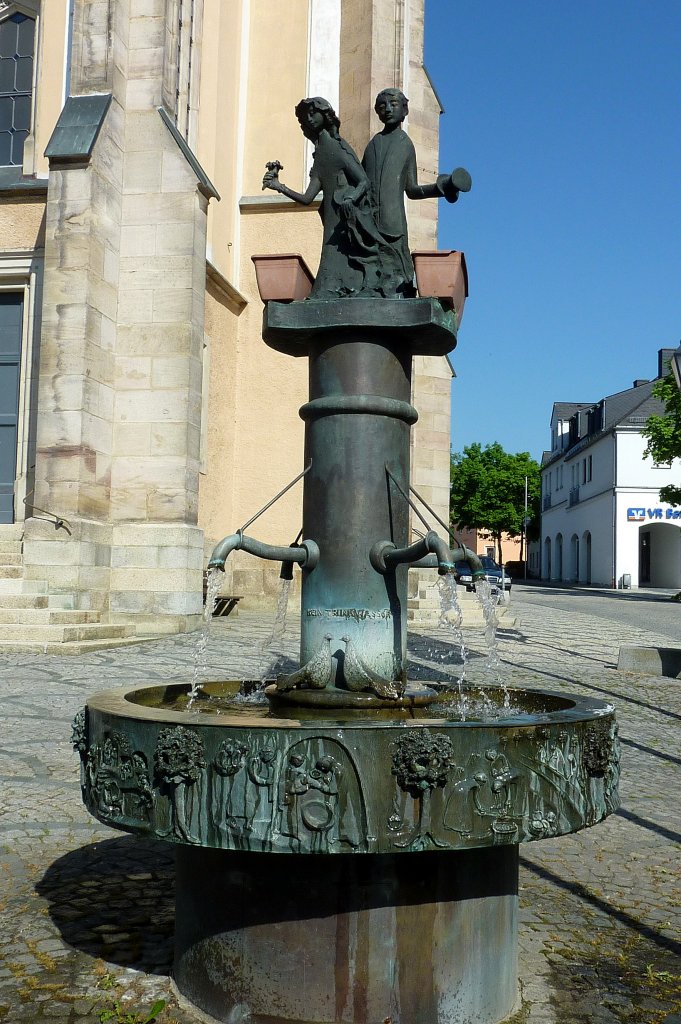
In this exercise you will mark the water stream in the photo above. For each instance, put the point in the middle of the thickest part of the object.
(269, 661)
(489, 597)
(214, 578)
(468, 703)
(451, 618)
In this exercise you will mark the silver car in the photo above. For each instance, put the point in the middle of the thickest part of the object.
(494, 574)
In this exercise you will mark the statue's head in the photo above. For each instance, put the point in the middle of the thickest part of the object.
(314, 114)
(392, 106)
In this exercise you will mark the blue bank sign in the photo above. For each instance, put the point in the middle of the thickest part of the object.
(642, 515)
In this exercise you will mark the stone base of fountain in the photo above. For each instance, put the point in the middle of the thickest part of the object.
(358, 940)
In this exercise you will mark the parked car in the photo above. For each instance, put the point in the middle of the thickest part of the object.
(494, 574)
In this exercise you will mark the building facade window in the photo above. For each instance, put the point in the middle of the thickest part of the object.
(11, 328)
(20, 302)
(188, 36)
(17, 47)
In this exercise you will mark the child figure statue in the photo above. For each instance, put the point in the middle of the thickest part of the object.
(390, 163)
(355, 260)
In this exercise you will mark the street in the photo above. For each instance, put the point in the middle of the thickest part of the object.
(643, 609)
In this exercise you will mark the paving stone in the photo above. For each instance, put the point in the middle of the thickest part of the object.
(84, 907)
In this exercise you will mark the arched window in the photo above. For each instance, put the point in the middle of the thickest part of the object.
(17, 47)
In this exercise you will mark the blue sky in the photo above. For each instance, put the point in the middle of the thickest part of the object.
(568, 117)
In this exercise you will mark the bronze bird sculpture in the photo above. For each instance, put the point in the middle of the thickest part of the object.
(359, 676)
(315, 674)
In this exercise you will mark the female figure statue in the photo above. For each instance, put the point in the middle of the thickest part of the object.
(356, 259)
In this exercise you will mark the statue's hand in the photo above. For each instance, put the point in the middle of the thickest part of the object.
(271, 180)
(449, 185)
(348, 205)
(351, 200)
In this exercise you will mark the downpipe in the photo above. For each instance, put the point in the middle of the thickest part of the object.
(430, 552)
(305, 554)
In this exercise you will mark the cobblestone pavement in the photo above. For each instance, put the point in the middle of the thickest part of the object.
(87, 913)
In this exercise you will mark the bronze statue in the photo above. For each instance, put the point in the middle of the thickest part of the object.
(352, 260)
(390, 163)
(365, 249)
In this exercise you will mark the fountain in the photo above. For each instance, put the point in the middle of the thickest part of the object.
(347, 845)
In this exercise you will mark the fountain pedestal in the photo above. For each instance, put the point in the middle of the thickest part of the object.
(357, 444)
(348, 939)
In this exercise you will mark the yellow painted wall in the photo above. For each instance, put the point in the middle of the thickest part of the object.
(216, 504)
(22, 224)
(255, 436)
(276, 83)
(50, 93)
(217, 145)
(271, 387)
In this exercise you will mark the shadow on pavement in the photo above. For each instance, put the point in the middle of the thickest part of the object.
(650, 750)
(652, 826)
(581, 891)
(654, 596)
(115, 900)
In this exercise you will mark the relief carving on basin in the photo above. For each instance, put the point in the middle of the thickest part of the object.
(296, 785)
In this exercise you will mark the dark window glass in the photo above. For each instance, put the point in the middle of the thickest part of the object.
(24, 78)
(17, 41)
(25, 33)
(11, 317)
(6, 74)
(8, 39)
(22, 112)
(18, 139)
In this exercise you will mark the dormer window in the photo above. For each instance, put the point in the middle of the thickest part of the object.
(17, 45)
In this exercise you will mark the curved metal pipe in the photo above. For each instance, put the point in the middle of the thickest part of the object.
(306, 554)
(429, 552)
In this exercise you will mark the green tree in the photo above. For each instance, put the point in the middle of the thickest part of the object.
(664, 433)
(488, 490)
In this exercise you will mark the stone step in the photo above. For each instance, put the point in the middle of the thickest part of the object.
(23, 601)
(69, 648)
(19, 586)
(41, 634)
(11, 531)
(46, 616)
(63, 601)
(472, 618)
(11, 572)
(10, 556)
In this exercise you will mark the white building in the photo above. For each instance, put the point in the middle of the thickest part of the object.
(602, 520)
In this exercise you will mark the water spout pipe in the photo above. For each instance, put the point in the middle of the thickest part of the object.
(286, 572)
(429, 552)
(306, 554)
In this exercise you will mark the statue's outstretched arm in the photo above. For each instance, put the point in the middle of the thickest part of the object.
(271, 180)
(446, 187)
(423, 191)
